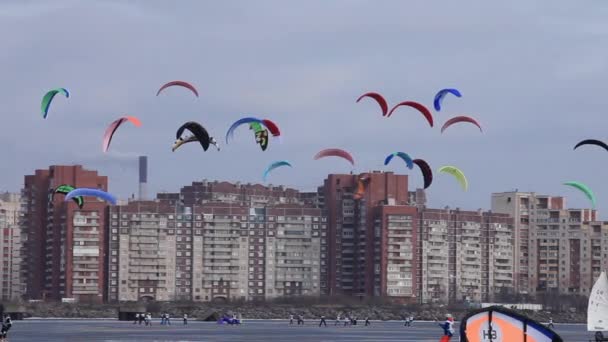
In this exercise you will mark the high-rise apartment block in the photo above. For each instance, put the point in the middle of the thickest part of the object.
(216, 240)
(11, 284)
(465, 255)
(372, 229)
(65, 246)
(559, 250)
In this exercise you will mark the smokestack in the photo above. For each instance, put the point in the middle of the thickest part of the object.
(143, 177)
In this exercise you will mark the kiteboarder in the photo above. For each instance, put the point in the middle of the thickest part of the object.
(448, 328)
(6, 326)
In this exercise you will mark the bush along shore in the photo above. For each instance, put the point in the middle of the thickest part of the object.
(267, 310)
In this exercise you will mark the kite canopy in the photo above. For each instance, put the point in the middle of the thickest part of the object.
(48, 97)
(441, 94)
(272, 127)
(200, 134)
(406, 158)
(497, 323)
(362, 183)
(335, 152)
(65, 189)
(422, 109)
(459, 175)
(178, 83)
(457, 119)
(592, 142)
(239, 122)
(427, 173)
(585, 189)
(273, 166)
(261, 135)
(107, 137)
(91, 193)
(378, 98)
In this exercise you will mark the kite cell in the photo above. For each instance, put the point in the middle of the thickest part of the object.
(199, 134)
(406, 158)
(585, 189)
(422, 109)
(459, 175)
(48, 97)
(457, 119)
(178, 83)
(335, 152)
(592, 142)
(64, 189)
(378, 98)
(274, 166)
(107, 137)
(91, 193)
(427, 173)
(441, 94)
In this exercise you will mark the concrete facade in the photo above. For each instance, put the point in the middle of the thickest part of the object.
(372, 222)
(559, 248)
(11, 273)
(64, 251)
(216, 241)
(464, 255)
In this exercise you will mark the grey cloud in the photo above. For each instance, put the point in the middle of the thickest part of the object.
(531, 72)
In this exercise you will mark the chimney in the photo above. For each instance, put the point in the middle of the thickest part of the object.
(143, 177)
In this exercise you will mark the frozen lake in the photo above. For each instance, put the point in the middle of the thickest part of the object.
(263, 331)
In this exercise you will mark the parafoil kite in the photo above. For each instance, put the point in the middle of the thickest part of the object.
(406, 158)
(239, 122)
(199, 134)
(178, 83)
(381, 101)
(65, 189)
(441, 94)
(585, 189)
(457, 119)
(362, 183)
(427, 173)
(48, 97)
(107, 137)
(422, 109)
(274, 166)
(497, 323)
(459, 175)
(261, 135)
(335, 152)
(91, 193)
(592, 142)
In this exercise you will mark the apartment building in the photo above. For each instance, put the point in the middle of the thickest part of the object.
(555, 244)
(228, 246)
(464, 255)
(11, 285)
(395, 252)
(64, 250)
(371, 218)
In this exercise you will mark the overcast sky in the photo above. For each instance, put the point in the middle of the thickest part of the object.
(533, 73)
